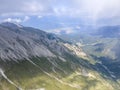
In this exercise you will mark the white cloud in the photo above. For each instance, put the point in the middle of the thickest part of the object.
(97, 9)
(33, 7)
(39, 16)
(26, 18)
(66, 30)
(17, 20)
(78, 27)
(94, 10)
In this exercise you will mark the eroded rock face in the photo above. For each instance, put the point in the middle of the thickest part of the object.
(18, 42)
(77, 50)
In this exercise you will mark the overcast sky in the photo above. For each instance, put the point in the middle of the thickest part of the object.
(87, 11)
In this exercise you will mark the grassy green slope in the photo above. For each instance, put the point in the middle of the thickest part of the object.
(41, 74)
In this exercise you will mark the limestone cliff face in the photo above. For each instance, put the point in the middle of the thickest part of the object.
(18, 42)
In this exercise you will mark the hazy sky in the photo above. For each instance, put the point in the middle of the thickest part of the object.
(103, 12)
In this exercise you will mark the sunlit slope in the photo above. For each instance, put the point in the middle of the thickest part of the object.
(54, 74)
(31, 59)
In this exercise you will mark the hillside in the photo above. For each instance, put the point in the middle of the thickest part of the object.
(31, 59)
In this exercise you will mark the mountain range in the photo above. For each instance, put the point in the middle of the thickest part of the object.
(32, 59)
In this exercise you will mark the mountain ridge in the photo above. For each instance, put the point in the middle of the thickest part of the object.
(29, 42)
(35, 60)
